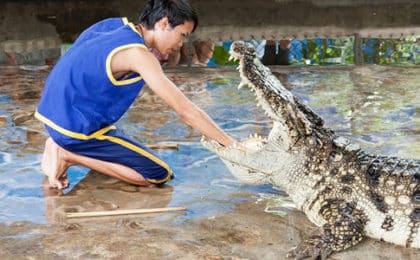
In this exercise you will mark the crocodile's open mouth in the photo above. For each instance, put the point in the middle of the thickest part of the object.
(242, 52)
(292, 120)
(256, 159)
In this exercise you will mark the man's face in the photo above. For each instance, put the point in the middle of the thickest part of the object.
(169, 39)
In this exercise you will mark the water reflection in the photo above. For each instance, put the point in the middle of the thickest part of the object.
(375, 106)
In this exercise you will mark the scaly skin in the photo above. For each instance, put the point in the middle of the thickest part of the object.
(347, 192)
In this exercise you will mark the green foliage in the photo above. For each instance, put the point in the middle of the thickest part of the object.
(221, 56)
(328, 51)
(403, 51)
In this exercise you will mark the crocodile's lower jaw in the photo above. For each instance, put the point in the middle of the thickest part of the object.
(234, 153)
(237, 158)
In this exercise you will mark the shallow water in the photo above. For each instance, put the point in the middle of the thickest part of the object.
(375, 106)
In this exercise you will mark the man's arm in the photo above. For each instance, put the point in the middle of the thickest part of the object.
(143, 62)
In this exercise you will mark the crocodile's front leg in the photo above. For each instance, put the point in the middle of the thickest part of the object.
(344, 228)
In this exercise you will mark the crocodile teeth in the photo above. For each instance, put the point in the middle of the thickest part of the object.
(241, 84)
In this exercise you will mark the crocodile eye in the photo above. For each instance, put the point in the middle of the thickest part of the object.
(373, 175)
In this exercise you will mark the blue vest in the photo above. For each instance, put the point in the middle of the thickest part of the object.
(81, 98)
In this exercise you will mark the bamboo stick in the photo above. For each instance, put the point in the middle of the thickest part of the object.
(120, 212)
(164, 146)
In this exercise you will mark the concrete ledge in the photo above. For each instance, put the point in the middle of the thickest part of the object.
(29, 45)
(222, 19)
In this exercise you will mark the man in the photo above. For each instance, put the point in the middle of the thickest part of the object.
(96, 81)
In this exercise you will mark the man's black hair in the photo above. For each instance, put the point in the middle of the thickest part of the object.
(177, 12)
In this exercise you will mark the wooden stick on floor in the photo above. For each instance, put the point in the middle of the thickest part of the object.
(120, 212)
(164, 146)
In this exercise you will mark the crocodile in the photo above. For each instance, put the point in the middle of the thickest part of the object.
(347, 192)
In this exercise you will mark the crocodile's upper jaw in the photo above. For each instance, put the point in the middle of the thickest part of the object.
(257, 152)
(265, 92)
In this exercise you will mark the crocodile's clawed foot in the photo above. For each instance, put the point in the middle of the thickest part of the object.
(312, 248)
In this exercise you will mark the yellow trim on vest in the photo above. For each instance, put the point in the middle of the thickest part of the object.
(72, 134)
(133, 27)
(137, 149)
(100, 135)
(108, 65)
(125, 20)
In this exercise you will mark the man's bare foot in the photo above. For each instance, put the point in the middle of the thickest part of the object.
(54, 165)
(48, 191)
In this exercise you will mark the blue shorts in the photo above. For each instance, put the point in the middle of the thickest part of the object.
(114, 146)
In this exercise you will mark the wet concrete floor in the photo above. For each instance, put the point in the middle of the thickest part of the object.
(246, 232)
(224, 219)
